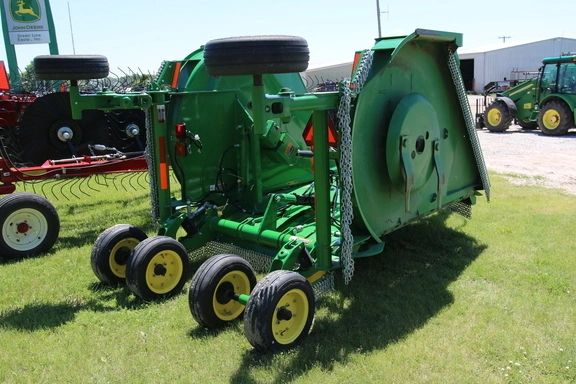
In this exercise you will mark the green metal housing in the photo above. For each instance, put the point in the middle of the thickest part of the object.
(248, 177)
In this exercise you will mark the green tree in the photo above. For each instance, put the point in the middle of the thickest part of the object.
(28, 78)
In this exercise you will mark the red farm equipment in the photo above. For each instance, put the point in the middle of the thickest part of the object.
(40, 141)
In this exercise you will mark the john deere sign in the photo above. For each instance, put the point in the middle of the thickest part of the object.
(27, 22)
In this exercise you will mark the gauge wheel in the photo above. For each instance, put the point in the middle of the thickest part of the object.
(280, 311)
(30, 225)
(214, 287)
(112, 250)
(256, 55)
(555, 118)
(497, 117)
(71, 67)
(158, 268)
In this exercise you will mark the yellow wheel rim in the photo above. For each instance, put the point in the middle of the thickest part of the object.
(119, 256)
(494, 117)
(290, 316)
(164, 272)
(235, 282)
(551, 119)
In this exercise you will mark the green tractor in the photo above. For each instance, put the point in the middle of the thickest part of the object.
(547, 102)
(276, 179)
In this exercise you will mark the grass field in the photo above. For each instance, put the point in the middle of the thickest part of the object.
(491, 300)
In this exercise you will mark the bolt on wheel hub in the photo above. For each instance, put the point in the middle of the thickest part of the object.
(164, 272)
(65, 134)
(22, 227)
(160, 270)
(132, 130)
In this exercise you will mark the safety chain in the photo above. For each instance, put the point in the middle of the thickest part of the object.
(465, 106)
(349, 90)
(159, 73)
(150, 161)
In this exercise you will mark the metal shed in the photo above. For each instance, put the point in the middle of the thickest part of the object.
(479, 66)
(509, 62)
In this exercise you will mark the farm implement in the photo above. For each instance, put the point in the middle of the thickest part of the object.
(29, 222)
(276, 179)
(41, 142)
(547, 102)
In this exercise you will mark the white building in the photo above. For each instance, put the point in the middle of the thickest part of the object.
(479, 66)
(322, 75)
(509, 62)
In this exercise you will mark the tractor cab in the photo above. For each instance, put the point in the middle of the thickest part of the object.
(558, 75)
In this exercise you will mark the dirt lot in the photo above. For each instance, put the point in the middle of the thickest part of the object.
(529, 157)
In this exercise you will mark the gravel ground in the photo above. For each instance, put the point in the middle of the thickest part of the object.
(528, 157)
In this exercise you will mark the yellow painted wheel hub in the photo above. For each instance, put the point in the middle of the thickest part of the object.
(494, 117)
(233, 283)
(551, 119)
(164, 272)
(290, 316)
(119, 256)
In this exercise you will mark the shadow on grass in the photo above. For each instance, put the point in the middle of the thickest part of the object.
(14, 260)
(119, 294)
(391, 296)
(38, 316)
(205, 333)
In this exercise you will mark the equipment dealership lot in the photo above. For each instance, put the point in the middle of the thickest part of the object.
(488, 300)
(531, 158)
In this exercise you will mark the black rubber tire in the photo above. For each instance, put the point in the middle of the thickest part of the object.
(503, 118)
(207, 285)
(256, 55)
(564, 114)
(261, 309)
(528, 125)
(71, 67)
(143, 256)
(37, 216)
(111, 252)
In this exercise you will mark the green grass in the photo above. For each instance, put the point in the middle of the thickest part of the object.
(491, 300)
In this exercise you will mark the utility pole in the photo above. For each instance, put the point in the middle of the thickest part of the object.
(71, 30)
(504, 38)
(378, 13)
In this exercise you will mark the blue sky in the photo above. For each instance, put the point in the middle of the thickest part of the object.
(140, 34)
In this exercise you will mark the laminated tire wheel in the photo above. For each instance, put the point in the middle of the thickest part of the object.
(280, 311)
(157, 268)
(111, 252)
(215, 286)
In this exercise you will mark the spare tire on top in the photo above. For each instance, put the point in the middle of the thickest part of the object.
(71, 67)
(256, 55)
